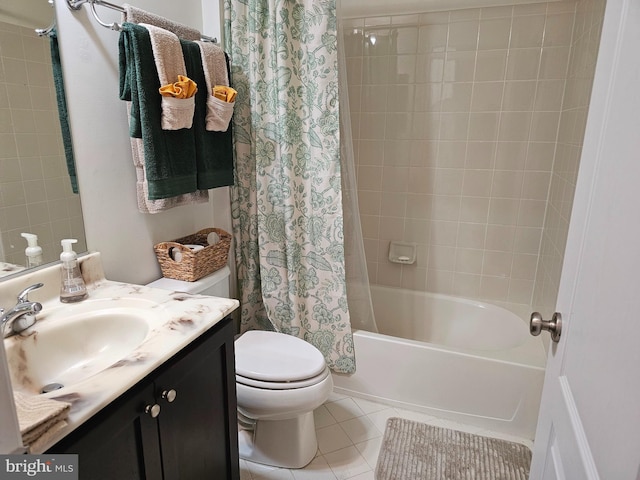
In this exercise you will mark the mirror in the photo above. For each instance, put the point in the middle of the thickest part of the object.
(35, 188)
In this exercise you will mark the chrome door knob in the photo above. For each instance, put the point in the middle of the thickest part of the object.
(553, 326)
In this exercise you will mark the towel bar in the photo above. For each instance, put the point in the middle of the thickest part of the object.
(77, 4)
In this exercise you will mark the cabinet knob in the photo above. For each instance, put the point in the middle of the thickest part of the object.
(169, 395)
(153, 410)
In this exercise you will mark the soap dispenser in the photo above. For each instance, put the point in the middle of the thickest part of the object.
(33, 252)
(72, 287)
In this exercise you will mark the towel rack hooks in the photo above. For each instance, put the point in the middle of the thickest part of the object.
(77, 4)
(45, 32)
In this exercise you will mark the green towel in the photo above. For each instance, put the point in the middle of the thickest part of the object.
(214, 150)
(176, 161)
(63, 115)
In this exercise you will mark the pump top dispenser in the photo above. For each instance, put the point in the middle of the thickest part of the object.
(72, 287)
(33, 252)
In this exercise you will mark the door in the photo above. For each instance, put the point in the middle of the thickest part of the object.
(589, 424)
(198, 423)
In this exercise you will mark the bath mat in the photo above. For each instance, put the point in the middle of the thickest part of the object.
(416, 451)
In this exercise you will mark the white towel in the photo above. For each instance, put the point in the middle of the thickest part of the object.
(39, 418)
(214, 64)
(142, 191)
(177, 113)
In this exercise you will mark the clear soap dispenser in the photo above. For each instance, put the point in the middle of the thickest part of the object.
(72, 287)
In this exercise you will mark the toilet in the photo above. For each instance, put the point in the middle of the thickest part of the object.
(280, 381)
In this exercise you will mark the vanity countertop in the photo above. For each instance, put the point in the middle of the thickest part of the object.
(178, 319)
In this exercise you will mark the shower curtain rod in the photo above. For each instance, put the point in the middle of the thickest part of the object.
(77, 4)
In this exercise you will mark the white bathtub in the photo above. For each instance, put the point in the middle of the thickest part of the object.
(454, 358)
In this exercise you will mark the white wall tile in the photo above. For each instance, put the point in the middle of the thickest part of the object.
(455, 135)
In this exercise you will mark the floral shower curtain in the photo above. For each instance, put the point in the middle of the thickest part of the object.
(287, 202)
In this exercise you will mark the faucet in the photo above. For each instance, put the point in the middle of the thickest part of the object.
(23, 315)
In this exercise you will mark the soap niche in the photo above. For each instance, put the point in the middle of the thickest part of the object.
(402, 252)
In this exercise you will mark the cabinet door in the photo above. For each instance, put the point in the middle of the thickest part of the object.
(198, 429)
(121, 442)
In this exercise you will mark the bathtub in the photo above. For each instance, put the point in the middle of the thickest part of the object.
(450, 357)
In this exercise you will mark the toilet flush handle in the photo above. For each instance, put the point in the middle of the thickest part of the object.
(169, 395)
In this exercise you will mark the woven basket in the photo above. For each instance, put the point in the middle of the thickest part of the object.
(192, 265)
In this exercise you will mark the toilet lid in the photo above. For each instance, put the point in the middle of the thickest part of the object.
(276, 357)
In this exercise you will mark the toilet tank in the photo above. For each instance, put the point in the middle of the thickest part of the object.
(215, 284)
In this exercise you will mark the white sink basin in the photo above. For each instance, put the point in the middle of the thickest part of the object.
(71, 343)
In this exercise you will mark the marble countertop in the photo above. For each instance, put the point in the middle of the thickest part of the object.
(9, 269)
(178, 319)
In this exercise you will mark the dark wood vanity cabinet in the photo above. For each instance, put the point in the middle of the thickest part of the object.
(177, 423)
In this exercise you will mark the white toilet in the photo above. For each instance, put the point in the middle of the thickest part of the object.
(280, 380)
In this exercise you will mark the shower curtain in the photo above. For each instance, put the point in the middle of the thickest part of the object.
(287, 202)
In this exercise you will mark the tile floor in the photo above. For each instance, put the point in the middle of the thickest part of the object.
(349, 432)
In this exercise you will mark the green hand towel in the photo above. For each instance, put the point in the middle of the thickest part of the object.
(63, 115)
(214, 150)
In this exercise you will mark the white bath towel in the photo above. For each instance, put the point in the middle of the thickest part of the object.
(214, 64)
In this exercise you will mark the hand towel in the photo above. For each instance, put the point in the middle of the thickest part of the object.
(39, 418)
(63, 114)
(219, 112)
(136, 15)
(129, 77)
(177, 113)
(183, 88)
(214, 150)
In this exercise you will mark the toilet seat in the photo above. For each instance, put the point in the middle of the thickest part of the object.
(277, 361)
(251, 382)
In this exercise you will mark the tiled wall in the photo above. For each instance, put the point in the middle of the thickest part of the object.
(585, 41)
(35, 192)
(455, 117)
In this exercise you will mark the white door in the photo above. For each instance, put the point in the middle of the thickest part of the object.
(589, 424)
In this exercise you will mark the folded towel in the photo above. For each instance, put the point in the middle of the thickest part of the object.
(156, 206)
(175, 161)
(214, 150)
(226, 94)
(129, 93)
(63, 114)
(183, 88)
(136, 15)
(177, 112)
(39, 418)
(214, 63)
(169, 155)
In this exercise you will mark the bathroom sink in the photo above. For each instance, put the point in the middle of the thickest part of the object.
(71, 343)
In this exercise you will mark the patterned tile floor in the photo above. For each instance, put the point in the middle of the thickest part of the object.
(349, 432)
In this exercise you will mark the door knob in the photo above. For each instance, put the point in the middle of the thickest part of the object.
(553, 326)
(153, 410)
(169, 395)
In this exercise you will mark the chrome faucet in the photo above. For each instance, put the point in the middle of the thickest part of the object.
(25, 311)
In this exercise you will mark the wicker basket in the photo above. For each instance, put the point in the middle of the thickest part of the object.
(193, 265)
